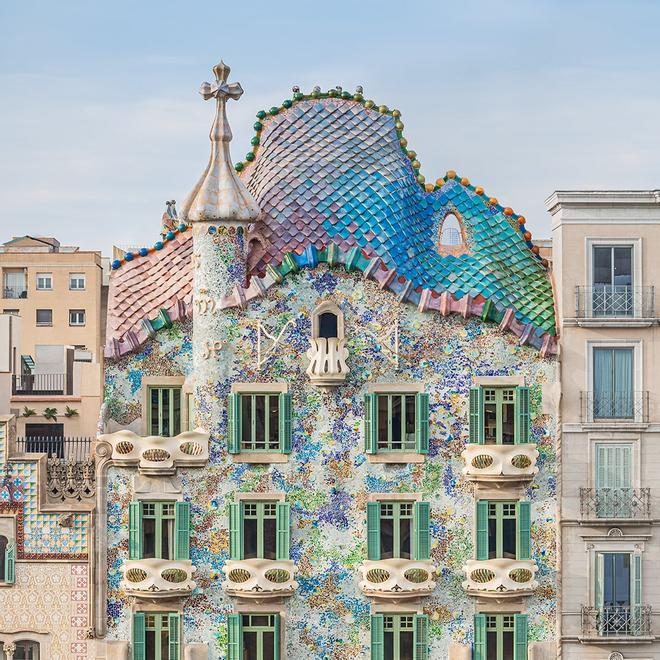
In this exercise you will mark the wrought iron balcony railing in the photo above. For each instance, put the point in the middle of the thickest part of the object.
(615, 407)
(42, 384)
(615, 503)
(616, 621)
(614, 301)
(77, 450)
(14, 291)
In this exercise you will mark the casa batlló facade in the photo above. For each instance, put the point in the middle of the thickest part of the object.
(330, 425)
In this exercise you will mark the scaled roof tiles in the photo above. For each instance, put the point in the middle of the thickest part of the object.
(330, 171)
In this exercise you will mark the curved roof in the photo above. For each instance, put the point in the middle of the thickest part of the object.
(330, 171)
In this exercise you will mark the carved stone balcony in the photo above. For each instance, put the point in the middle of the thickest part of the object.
(158, 578)
(397, 579)
(500, 463)
(156, 455)
(500, 578)
(260, 579)
(327, 366)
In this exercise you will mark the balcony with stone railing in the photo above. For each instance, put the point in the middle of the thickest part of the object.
(260, 579)
(615, 505)
(500, 578)
(500, 464)
(397, 579)
(327, 361)
(158, 578)
(616, 624)
(155, 455)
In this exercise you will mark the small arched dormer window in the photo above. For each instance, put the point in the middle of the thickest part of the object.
(451, 237)
(327, 352)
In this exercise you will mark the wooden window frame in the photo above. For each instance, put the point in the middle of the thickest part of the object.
(172, 417)
(159, 516)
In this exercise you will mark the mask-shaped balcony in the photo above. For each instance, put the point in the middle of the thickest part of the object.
(156, 455)
(500, 464)
(397, 579)
(158, 578)
(327, 353)
(500, 578)
(260, 579)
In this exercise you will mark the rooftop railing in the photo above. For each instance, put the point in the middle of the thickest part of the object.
(41, 384)
(614, 301)
(70, 449)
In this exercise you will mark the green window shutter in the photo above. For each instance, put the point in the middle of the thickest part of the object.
(421, 530)
(283, 520)
(285, 422)
(523, 526)
(377, 637)
(182, 526)
(235, 531)
(422, 422)
(373, 531)
(476, 416)
(421, 637)
(135, 530)
(139, 651)
(234, 637)
(479, 651)
(520, 637)
(370, 423)
(482, 530)
(10, 563)
(234, 423)
(175, 635)
(522, 428)
(276, 636)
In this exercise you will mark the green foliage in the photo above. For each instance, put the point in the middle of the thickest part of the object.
(71, 412)
(29, 412)
(50, 413)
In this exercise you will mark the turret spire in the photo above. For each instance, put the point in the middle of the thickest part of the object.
(219, 195)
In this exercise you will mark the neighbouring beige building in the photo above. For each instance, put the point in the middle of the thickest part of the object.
(605, 268)
(56, 355)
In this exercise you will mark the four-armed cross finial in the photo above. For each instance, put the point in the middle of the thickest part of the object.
(221, 89)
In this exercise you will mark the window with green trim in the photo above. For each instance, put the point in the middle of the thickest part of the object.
(7, 560)
(159, 530)
(503, 530)
(399, 637)
(500, 637)
(164, 411)
(259, 530)
(259, 422)
(499, 415)
(253, 636)
(156, 636)
(398, 530)
(396, 422)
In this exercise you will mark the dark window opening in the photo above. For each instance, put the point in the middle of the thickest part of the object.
(328, 325)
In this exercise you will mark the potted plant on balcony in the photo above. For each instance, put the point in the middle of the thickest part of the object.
(50, 414)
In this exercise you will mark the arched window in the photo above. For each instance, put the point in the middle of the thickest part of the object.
(328, 325)
(451, 232)
(327, 322)
(327, 352)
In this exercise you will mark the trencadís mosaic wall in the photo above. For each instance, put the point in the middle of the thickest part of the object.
(328, 479)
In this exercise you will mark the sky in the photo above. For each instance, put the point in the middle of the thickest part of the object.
(101, 120)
